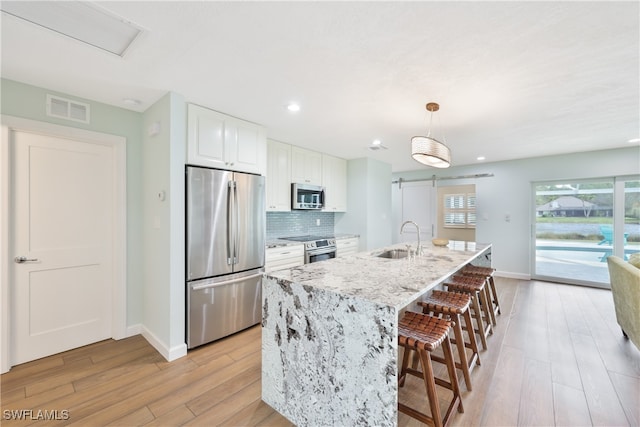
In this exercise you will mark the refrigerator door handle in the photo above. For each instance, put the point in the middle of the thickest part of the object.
(230, 228)
(226, 282)
(236, 238)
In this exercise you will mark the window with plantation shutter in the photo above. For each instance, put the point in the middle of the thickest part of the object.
(460, 210)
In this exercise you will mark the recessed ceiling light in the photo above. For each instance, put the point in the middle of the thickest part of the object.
(376, 144)
(480, 158)
(293, 107)
(131, 101)
(634, 140)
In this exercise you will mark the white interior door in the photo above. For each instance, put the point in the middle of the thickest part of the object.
(63, 222)
(415, 201)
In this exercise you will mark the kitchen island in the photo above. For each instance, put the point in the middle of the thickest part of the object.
(329, 331)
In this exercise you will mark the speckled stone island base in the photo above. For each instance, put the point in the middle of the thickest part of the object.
(316, 345)
(329, 333)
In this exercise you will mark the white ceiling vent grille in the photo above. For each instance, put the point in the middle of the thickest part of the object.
(67, 109)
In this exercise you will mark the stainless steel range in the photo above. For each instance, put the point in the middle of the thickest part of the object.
(316, 248)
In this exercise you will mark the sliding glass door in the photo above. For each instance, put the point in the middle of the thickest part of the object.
(578, 224)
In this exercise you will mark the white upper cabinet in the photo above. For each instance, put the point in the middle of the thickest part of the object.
(334, 180)
(278, 180)
(306, 166)
(220, 141)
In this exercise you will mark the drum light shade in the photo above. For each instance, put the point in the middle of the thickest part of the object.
(429, 151)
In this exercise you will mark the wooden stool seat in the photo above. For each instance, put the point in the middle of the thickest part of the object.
(422, 334)
(476, 287)
(447, 302)
(454, 305)
(488, 273)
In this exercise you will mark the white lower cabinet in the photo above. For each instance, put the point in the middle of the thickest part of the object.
(283, 257)
(347, 246)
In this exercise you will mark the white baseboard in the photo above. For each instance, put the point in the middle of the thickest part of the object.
(170, 354)
(510, 275)
(176, 352)
(133, 330)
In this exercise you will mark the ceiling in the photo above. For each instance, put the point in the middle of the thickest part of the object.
(513, 79)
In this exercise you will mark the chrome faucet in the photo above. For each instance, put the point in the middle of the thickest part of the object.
(419, 248)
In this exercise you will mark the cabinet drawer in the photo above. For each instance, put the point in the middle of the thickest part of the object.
(347, 246)
(284, 257)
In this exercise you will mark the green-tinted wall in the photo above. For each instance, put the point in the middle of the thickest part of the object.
(29, 102)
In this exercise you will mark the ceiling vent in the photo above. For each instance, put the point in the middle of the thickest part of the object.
(80, 20)
(67, 109)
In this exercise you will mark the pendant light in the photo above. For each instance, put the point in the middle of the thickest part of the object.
(429, 151)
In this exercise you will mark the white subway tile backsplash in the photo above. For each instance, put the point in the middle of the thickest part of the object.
(299, 223)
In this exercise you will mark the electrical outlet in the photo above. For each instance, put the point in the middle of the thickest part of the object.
(318, 222)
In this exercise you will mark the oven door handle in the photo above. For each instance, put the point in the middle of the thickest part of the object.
(322, 251)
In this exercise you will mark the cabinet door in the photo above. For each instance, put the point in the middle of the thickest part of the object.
(220, 141)
(206, 138)
(286, 257)
(248, 154)
(348, 246)
(278, 176)
(314, 164)
(334, 179)
(306, 166)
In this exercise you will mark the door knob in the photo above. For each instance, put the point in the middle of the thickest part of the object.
(23, 259)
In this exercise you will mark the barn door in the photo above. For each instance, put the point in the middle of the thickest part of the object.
(414, 201)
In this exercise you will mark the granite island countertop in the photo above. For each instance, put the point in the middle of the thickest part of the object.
(330, 331)
(391, 282)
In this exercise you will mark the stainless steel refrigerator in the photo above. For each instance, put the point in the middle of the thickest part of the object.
(225, 221)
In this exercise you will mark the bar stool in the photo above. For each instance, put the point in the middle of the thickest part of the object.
(453, 305)
(487, 272)
(423, 334)
(476, 288)
(487, 291)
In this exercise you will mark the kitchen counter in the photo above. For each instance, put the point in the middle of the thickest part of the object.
(329, 337)
(339, 236)
(278, 243)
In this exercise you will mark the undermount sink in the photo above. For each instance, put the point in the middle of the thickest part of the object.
(394, 254)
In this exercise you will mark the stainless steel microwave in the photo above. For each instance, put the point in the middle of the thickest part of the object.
(308, 197)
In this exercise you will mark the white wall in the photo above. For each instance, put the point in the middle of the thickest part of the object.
(509, 191)
(176, 201)
(164, 156)
(368, 203)
(378, 204)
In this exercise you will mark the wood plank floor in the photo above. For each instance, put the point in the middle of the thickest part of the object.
(557, 357)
